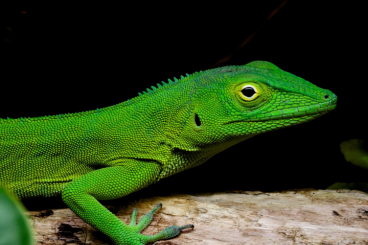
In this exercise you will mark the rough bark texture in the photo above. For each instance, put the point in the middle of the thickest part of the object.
(235, 217)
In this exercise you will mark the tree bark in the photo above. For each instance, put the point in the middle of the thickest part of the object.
(235, 217)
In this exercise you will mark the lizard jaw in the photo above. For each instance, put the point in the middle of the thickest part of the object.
(297, 112)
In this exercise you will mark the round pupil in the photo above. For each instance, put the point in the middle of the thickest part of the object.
(248, 91)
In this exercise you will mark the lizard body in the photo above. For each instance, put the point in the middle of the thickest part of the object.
(111, 152)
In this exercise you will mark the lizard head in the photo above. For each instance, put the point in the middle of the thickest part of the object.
(234, 103)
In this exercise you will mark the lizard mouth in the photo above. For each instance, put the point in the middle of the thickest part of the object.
(304, 112)
(315, 111)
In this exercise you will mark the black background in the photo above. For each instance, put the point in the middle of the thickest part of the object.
(63, 59)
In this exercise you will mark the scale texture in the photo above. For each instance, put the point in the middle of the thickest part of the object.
(111, 152)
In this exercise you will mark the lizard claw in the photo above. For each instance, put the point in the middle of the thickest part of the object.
(167, 233)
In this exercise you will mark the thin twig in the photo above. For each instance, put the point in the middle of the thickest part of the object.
(250, 36)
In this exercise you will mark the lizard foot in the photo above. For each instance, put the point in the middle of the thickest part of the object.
(169, 232)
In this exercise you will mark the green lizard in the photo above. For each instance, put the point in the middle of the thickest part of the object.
(111, 152)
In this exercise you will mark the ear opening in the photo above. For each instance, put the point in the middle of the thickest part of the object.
(197, 120)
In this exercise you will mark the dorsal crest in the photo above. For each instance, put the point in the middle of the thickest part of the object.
(170, 82)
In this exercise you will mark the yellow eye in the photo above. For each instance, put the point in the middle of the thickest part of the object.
(249, 92)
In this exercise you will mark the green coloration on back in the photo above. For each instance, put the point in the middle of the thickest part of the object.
(111, 152)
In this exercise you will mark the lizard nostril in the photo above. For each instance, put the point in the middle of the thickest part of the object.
(326, 96)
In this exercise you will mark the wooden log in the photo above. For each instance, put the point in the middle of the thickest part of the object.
(235, 217)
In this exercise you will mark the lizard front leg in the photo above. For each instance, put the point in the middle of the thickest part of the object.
(81, 196)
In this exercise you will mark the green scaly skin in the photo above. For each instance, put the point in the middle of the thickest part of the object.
(111, 152)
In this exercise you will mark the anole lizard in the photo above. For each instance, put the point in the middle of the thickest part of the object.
(111, 152)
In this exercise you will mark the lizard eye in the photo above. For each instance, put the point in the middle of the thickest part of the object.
(249, 93)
